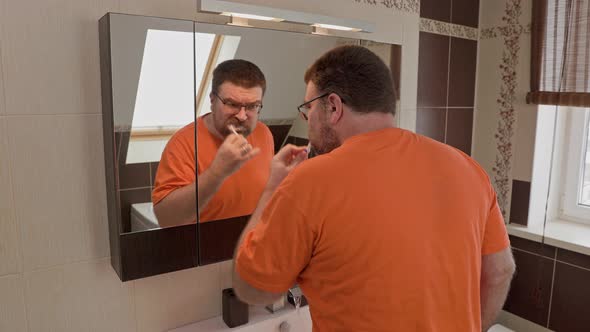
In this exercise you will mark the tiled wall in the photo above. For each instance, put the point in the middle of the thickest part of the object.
(446, 73)
(136, 181)
(55, 273)
(550, 287)
(504, 125)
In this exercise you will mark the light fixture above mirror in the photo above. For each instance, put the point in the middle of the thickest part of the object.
(241, 13)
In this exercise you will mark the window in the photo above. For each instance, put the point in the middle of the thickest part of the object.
(575, 199)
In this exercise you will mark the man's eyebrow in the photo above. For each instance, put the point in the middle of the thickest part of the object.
(229, 100)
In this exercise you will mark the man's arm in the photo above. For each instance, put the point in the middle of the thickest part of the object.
(282, 164)
(178, 208)
(496, 273)
(245, 291)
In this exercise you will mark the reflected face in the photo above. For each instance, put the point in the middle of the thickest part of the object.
(321, 135)
(237, 106)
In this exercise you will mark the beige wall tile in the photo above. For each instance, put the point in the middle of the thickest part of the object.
(171, 300)
(12, 305)
(59, 188)
(78, 297)
(526, 115)
(487, 92)
(181, 9)
(226, 270)
(524, 142)
(50, 55)
(409, 78)
(406, 119)
(491, 12)
(2, 98)
(9, 253)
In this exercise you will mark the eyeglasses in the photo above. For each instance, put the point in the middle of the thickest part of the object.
(304, 108)
(237, 107)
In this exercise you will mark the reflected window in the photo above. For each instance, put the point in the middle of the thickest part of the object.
(165, 100)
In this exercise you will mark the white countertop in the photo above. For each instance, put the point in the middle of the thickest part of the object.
(260, 320)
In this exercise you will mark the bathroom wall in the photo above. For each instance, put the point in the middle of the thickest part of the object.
(447, 70)
(550, 287)
(55, 273)
(504, 125)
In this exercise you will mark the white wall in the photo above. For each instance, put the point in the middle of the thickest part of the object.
(55, 273)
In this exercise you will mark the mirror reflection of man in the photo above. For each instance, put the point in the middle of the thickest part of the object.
(233, 158)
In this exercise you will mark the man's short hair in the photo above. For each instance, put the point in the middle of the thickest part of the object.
(239, 72)
(358, 76)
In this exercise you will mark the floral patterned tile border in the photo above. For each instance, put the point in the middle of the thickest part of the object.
(448, 29)
(408, 6)
(505, 130)
(504, 31)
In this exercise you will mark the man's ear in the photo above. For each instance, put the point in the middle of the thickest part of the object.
(335, 107)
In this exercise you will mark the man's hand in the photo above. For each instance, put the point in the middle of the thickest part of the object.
(283, 163)
(232, 154)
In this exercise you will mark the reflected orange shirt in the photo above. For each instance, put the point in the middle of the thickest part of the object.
(239, 193)
(385, 233)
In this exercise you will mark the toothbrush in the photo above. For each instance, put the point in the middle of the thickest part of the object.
(233, 129)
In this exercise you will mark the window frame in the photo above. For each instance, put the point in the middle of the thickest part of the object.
(576, 138)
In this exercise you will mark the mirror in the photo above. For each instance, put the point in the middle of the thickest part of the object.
(157, 77)
(153, 97)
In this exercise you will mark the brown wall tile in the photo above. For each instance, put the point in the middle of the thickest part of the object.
(431, 122)
(570, 308)
(462, 72)
(439, 10)
(134, 175)
(519, 206)
(530, 289)
(153, 171)
(574, 258)
(299, 141)
(532, 246)
(433, 69)
(279, 132)
(465, 12)
(459, 128)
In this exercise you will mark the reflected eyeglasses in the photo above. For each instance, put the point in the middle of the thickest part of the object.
(237, 107)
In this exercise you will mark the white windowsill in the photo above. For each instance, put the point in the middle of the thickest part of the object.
(525, 232)
(561, 234)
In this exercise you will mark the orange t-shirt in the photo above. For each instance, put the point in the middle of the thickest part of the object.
(239, 193)
(385, 233)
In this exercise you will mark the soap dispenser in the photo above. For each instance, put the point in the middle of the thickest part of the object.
(235, 312)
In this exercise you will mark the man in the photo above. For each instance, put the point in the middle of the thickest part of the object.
(234, 153)
(387, 230)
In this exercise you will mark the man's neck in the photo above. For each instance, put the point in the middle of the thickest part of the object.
(359, 124)
(208, 119)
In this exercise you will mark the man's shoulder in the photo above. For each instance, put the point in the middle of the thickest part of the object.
(262, 129)
(189, 130)
(184, 135)
(455, 158)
